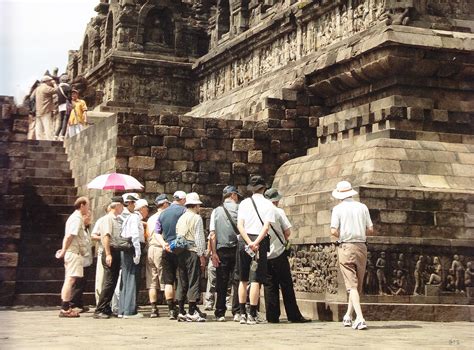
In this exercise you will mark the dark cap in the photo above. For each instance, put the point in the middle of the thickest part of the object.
(230, 189)
(273, 195)
(256, 183)
(117, 199)
(161, 199)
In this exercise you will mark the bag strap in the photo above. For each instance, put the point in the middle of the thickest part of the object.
(62, 91)
(276, 234)
(234, 226)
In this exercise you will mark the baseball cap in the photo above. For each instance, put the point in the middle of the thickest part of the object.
(179, 195)
(130, 197)
(161, 199)
(273, 195)
(230, 189)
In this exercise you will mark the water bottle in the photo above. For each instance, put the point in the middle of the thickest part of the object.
(249, 251)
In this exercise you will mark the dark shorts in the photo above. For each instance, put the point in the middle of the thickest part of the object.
(246, 273)
(169, 264)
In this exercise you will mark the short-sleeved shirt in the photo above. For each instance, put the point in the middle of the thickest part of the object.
(281, 224)
(247, 213)
(77, 113)
(75, 227)
(110, 226)
(352, 219)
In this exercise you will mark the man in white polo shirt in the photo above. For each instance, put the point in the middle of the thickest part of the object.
(350, 224)
(254, 217)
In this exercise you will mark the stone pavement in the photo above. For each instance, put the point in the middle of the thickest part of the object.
(43, 329)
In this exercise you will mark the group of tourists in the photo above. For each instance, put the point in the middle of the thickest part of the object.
(247, 246)
(55, 109)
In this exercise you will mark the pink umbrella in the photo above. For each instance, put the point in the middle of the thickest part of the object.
(115, 181)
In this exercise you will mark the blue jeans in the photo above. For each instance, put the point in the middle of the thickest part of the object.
(129, 285)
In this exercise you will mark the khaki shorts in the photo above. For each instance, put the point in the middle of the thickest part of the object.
(73, 265)
(352, 262)
(153, 268)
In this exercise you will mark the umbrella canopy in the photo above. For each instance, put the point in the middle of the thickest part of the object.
(115, 181)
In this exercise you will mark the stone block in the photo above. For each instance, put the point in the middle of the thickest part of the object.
(439, 115)
(432, 290)
(154, 187)
(8, 259)
(170, 141)
(450, 219)
(239, 168)
(141, 162)
(290, 114)
(189, 177)
(433, 181)
(169, 119)
(393, 216)
(192, 143)
(200, 155)
(255, 157)
(161, 130)
(159, 152)
(186, 132)
(243, 145)
(217, 156)
(140, 141)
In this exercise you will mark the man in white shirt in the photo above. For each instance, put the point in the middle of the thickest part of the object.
(350, 224)
(254, 216)
(155, 252)
(279, 272)
(133, 229)
(73, 251)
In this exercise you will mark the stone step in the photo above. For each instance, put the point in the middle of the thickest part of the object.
(47, 164)
(48, 181)
(46, 286)
(43, 143)
(47, 273)
(54, 190)
(48, 173)
(46, 149)
(39, 260)
(56, 200)
(47, 299)
(47, 156)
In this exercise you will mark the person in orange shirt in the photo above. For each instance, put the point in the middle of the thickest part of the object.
(78, 116)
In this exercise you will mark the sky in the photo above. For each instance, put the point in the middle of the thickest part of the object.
(36, 35)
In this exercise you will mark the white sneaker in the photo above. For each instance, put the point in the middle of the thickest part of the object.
(220, 319)
(347, 321)
(243, 319)
(252, 320)
(182, 317)
(120, 316)
(236, 317)
(359, 325)
(195, 317)
(138, 315)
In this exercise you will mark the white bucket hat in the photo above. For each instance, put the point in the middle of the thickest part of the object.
(140, 204)
(343, 190)
(192, 198)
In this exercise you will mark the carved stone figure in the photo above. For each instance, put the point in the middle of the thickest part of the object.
(457, 270)
(400, 284)
(370, 278)
(397, 16)
(158, 30)
(468, 282)
(436, 277)
(382, 280)
(419, 271)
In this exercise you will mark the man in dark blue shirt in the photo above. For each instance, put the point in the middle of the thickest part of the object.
(166, 233)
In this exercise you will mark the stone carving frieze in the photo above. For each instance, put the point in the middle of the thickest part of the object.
(395, 271)
(307, 37)
(315, 268)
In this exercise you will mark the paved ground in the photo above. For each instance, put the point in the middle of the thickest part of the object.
(43, 329)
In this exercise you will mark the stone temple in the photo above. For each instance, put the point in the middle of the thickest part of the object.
(197, 94)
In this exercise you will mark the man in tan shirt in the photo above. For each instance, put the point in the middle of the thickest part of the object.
(45, 107)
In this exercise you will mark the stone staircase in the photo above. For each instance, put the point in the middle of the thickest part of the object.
(49, 193)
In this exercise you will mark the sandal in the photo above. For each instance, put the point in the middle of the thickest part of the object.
(69, 313)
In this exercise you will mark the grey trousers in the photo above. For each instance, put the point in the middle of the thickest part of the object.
(210, 296)
(189, 275)
(129, 286)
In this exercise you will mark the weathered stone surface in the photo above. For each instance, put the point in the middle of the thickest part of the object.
(140, 162)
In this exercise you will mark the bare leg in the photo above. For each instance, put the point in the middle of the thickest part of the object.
(169, 292)
(66, 291)
(152, 295)
(254, 293)
(350, 308)
(243, 292)
(354, 298)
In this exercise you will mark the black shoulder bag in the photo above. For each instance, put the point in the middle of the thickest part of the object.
(234, 226)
